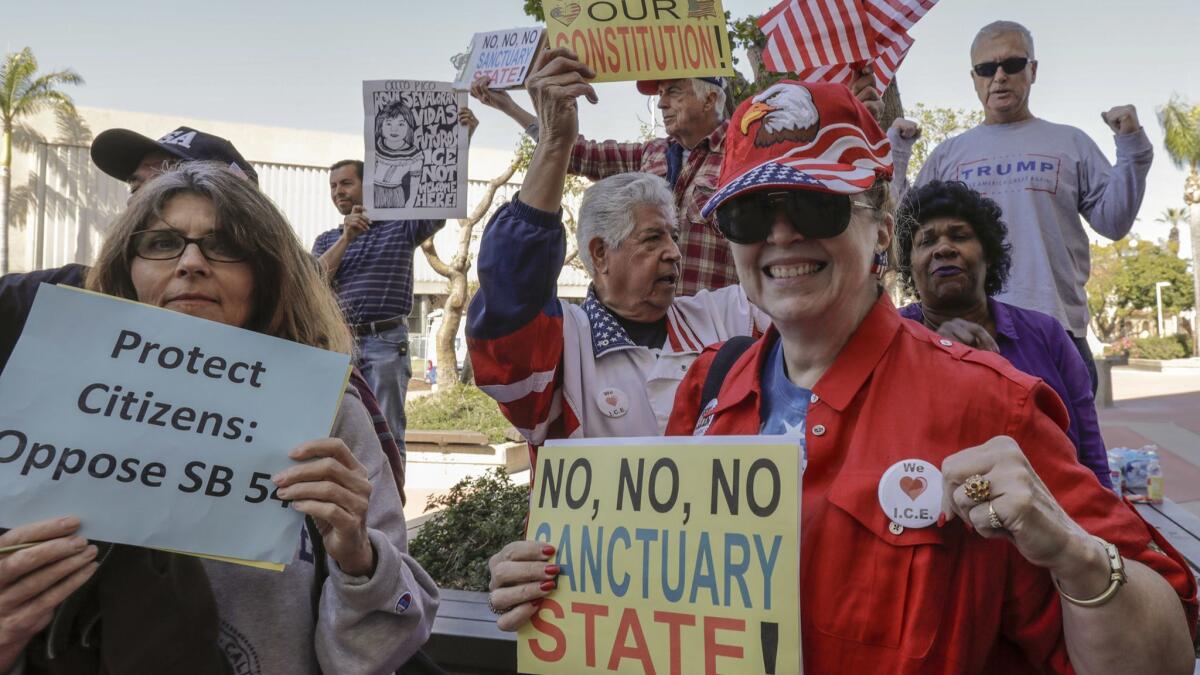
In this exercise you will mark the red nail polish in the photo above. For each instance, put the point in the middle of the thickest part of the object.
(549, 585)
(552, 570)
(547, 550)
(941, 520)
(536, 603)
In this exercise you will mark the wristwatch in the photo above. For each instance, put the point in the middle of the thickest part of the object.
(1117, 578)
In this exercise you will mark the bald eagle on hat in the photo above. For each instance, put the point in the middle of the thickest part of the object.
(787, 112)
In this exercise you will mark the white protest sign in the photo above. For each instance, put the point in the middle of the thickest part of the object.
(156, 428)
(416, 150)
(503, 55)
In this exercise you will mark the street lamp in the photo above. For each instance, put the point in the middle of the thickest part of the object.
(1158, 286)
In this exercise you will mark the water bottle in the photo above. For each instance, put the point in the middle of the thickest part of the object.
(1115, 475)
(1154, 480)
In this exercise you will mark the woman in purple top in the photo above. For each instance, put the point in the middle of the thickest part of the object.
(954, 257)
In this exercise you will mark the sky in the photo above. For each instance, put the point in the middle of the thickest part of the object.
(299, 64)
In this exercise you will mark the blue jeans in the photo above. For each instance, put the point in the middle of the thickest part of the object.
(384, 361)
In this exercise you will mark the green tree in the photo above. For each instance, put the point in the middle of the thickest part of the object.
(1173, 216)
(24, 92)
(1124, 274)
(937, 124)
(1181, 138)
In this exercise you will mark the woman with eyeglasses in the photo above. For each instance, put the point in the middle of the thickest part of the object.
(946, 526)
(202, 241)
(954, 256)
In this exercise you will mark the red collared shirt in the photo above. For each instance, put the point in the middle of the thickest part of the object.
(932, 599)
(707, 262)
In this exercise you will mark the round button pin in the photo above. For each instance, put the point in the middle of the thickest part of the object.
(910, 493)
(612, 402)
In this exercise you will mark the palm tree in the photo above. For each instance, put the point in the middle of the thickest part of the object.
(1173, 217)
(24, 92)
(1181, 138)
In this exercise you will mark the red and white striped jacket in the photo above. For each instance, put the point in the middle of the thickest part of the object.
(560, 370)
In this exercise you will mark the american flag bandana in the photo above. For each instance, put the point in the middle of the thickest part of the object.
(831, 40)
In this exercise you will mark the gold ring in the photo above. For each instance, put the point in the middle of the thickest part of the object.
(994, 518)
(978, 488)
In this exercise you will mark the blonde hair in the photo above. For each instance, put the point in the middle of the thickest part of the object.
(291, 298)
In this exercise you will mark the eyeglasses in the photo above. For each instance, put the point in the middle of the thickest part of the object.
(167, 244)
(1011, 66)
(748, 219)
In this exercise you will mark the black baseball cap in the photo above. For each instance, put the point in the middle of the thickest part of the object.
(118, 152)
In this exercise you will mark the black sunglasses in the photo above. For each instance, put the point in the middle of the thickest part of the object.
(1011, 66)
(748, 219)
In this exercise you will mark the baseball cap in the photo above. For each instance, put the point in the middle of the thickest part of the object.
(118, 152)
(807, 136)
(650, 87)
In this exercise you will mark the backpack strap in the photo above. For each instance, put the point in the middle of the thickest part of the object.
(727, 355)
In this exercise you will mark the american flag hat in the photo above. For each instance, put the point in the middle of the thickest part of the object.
(807, 136)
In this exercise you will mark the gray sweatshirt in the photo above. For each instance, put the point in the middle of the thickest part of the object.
(1044, 176)
(365, 625)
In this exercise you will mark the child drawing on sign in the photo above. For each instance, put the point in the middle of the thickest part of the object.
(398, 161)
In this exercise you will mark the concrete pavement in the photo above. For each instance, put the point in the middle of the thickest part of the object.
(1161, 409)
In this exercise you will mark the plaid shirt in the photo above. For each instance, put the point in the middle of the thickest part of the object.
(707, 262)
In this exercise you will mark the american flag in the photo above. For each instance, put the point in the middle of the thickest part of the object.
(884, 65)
(829, 40)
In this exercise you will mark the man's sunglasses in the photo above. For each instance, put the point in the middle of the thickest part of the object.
(748, 219)
(1011, 66)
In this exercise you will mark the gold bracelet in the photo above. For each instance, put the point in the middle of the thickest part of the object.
(1117, 578)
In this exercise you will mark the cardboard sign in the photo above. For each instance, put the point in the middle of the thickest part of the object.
(504, 56)
(677, 555)
(643, 39)
(416, 150)
(157, 428)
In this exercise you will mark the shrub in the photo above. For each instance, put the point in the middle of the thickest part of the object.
(1120, 347)
(1186, 342)
(458, 407)
(479, 516)
(1157, 348)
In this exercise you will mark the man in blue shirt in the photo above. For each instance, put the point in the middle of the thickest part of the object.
(371, 267)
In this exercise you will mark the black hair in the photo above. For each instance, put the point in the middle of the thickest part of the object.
(954, 199)
(358, 166)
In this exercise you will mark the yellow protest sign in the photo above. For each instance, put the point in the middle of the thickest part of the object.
(642, 39)
(677, 555)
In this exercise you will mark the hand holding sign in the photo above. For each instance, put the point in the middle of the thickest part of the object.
(493, 98)
(469, 120)
(36, 580)
(558, 78)
(334, 489)
(355, 224)
(521, 576)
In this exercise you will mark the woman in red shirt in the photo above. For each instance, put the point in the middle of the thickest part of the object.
(1024, 563)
